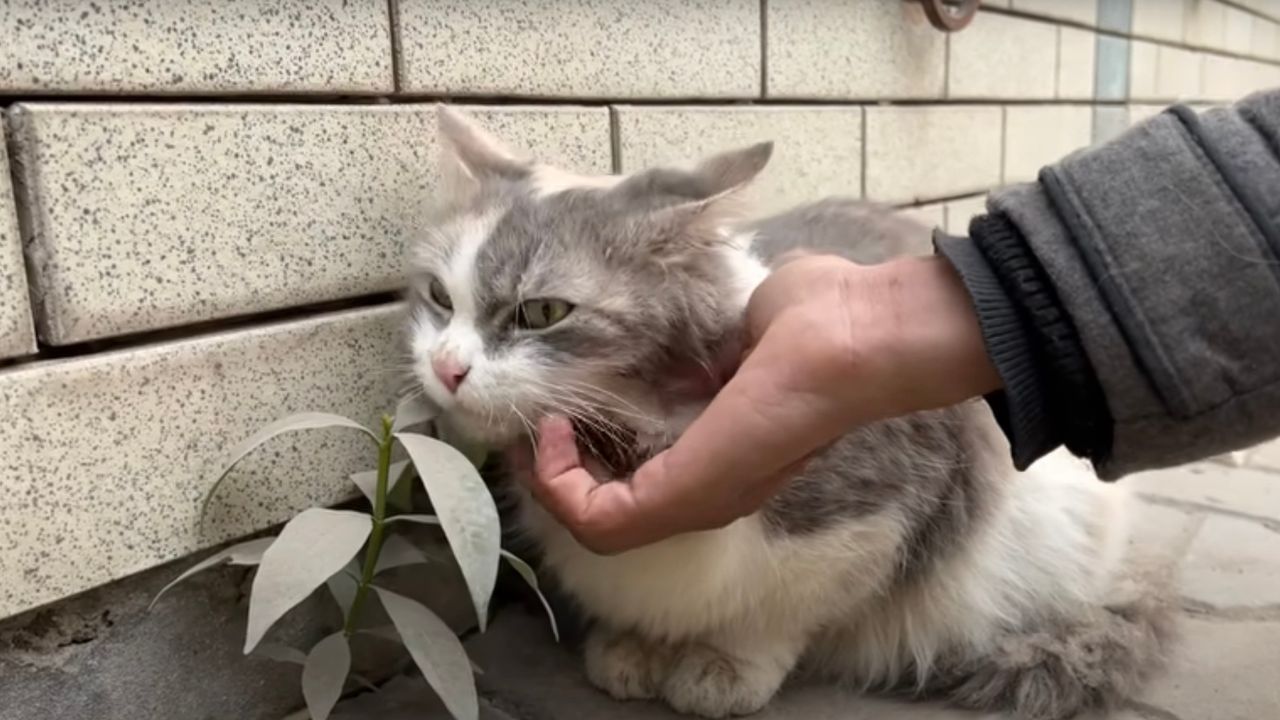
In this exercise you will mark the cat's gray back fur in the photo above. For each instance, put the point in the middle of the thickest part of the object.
(864, 232)
(924, 468)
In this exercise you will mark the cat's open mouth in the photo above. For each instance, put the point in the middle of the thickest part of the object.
(612, 446)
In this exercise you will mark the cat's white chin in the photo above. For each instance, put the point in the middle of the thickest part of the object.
(495, 429)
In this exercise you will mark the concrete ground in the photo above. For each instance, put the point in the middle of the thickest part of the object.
(1220, 523)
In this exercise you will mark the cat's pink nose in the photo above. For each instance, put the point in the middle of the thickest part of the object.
(450, 371)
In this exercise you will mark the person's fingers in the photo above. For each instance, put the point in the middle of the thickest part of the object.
(557, 448)
(600, 513)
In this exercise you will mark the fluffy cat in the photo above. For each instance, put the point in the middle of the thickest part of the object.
(908, 557)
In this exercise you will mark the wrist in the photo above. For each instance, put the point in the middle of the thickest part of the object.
(933, 336)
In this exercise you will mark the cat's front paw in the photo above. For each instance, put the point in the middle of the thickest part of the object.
(624, 665)
(708, 682)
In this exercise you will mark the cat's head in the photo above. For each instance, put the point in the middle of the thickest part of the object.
(539, 290)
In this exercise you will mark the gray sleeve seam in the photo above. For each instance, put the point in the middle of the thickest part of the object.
(1232, 188)
(1232, 398)
(1150, 356)
(1251, 119)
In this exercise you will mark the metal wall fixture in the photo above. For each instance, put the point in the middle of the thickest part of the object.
(949, 15)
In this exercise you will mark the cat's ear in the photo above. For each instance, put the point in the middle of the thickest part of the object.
(710, 181)
(470, 157)
(731, 171)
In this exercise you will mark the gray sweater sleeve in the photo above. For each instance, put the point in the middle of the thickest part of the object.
(1162, 248)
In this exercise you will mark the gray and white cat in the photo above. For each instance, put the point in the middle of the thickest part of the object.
(909, 556)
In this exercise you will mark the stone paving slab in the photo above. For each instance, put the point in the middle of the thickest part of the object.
(1224, 671)
(1250, 492)
(1233, 563)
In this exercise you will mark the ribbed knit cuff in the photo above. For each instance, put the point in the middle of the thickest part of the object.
(1075, 408)
(1021, 407)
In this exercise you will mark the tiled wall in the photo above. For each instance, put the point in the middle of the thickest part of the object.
(209, 200)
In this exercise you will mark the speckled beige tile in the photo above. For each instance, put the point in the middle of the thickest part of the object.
(1206, 24)
(1140, 113)
(1036, 136)
(838, 49)
(1266, 8)
(999, 56)
(1227, 79)
(1179, 73)
(107, 457)
(933, 215)
(1142, 70)
(1161, 19)
(151, 216)
(1264, 41)
(817, 150)
(182, 46)
(581, 48)
(1077, 60)
(960, 212)
(17, 336)
(1238, 32)
(927, 152)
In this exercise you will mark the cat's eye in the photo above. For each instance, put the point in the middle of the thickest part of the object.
(541, 314)
(438, 294)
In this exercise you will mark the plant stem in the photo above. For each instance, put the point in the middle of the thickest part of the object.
(379, 525)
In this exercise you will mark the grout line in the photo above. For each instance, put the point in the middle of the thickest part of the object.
(1147, 711)
(764, 48)
(1063, 22)
(615, 141)
(967, 195)
(1264, 521)
(946, 65)
(862, 157)
(200, 329)
(1004, 142)
(397, 68)
(1249, 10)
(1230, 613)
(304, 100)
(26, 205)
(1057, 63)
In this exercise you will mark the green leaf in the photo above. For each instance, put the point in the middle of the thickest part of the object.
(342, 585)
(311, 548)
(419, 518)
(364, 682)
(389, 633)
(245, 553)
(466, 511)
(531, 577)
(400, 496)
(367, 480)
(280, 653)
(437, 653)
(386, 632)
(413, 410)
(300, 421)
(324, 675)
(397, 552)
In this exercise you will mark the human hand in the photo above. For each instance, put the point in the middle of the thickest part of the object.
(832, 345)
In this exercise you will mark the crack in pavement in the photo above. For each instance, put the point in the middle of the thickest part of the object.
(1255, 613)
(1266, 522)
(1150, 712)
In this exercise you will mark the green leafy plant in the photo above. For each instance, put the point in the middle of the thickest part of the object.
(321, 546)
